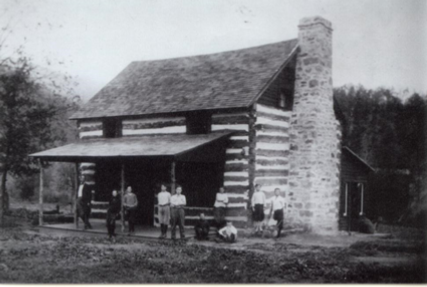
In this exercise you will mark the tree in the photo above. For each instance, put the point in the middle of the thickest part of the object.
(390, 135)
(27, 112)
(34, 103)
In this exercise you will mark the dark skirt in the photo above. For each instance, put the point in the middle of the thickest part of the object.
(219, 215)
(259, 212)
(278, 215)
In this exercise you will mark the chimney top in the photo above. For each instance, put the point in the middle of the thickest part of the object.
(309, 21)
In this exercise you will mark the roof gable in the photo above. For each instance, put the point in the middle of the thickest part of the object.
(217, 81)
(358, 158)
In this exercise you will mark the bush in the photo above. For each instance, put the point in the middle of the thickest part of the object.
(57, 197)
(26, 187)
(366, 226)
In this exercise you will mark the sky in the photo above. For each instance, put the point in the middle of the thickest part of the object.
(376, 43)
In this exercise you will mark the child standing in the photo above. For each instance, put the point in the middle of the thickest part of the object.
(112, 212)
(258, 202)
(277, 206)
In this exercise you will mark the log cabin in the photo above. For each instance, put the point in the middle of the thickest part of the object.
(261, 115)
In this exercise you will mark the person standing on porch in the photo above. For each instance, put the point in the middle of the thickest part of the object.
(258, 202)
(112, 213)
(277, 206)
(178, 201)
(164, 201)
(220, 204)
(84, 198)
(130, 203)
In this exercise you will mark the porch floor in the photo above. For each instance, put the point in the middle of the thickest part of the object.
(99, 229)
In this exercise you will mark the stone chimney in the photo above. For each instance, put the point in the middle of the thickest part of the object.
(314, 132)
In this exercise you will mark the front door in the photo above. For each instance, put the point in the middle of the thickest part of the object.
(355, 205)
(107, 178)
(145, 179)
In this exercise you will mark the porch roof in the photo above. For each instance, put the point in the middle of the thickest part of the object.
(178, 146)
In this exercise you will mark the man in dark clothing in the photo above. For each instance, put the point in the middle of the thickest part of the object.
(84, 202)
(112, 212)
(202, 228)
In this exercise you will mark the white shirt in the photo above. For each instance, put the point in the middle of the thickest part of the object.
(178, 200)
(164, 197)
(258, 198)
(221, 200)
(80, 192)
(277, 202)
(228, 230)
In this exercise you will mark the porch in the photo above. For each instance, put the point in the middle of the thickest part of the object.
(99, 229)
(196, 162)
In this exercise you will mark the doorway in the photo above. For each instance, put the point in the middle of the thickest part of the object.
(354, 202)
(145, 179)
(200, 181)
(107, 178)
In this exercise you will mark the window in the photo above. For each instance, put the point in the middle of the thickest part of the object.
(282, 100)
(112, 128)
(198, 123)
(286, 100)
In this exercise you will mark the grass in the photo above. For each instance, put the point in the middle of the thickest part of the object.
(31, 257)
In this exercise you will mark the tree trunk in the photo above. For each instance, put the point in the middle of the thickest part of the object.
(4, 198)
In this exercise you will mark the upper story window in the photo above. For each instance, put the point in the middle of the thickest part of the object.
(112, 128)
(282, 100)
(286, 100)
(198, 123)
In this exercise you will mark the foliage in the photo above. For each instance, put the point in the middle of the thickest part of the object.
(376, 124)
(390, 193)
(391, 135)
(32, 118)
(35, 104)
(27, 187)
(24, 118)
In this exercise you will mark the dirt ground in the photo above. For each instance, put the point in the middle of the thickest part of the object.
(30, 256)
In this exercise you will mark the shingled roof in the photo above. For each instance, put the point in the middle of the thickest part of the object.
(171, 145)
(218, 81)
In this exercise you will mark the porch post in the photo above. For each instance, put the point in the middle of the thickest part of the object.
(122, 192)
(76, 195)
(361, 199)
(41, 194)
(173, 179)
(346, 199)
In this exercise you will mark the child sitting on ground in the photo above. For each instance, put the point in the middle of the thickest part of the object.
(228, 233)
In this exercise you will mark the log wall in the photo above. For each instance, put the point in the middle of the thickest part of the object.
(94, 129)
(272, 150)
(192, 216)
(90, 129)
(236, 174)
(154, 126)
